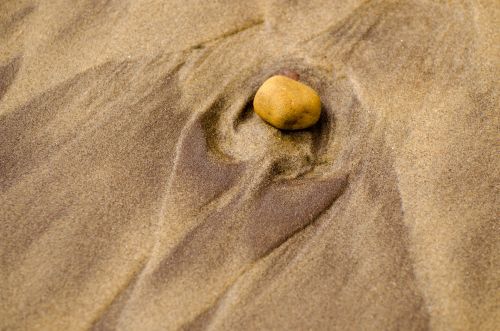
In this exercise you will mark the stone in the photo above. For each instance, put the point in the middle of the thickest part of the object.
(287, 104)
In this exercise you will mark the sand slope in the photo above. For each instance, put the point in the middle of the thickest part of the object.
(139, 191)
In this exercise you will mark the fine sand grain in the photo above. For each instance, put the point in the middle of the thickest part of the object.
(139, 190)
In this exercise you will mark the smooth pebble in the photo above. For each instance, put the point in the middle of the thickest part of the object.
(287, 104)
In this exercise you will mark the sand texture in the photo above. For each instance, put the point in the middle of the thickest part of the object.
(139, 190)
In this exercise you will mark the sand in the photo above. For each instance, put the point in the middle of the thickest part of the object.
(139, 191)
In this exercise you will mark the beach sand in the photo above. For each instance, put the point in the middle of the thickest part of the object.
(139, 191)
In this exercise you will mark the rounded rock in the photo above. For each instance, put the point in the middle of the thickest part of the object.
(287, 104)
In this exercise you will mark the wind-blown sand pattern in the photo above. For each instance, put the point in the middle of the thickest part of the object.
(139, 191)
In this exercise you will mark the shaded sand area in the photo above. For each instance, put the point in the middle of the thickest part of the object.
(139, 191)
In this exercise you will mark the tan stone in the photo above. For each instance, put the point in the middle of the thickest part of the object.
(287, 104)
